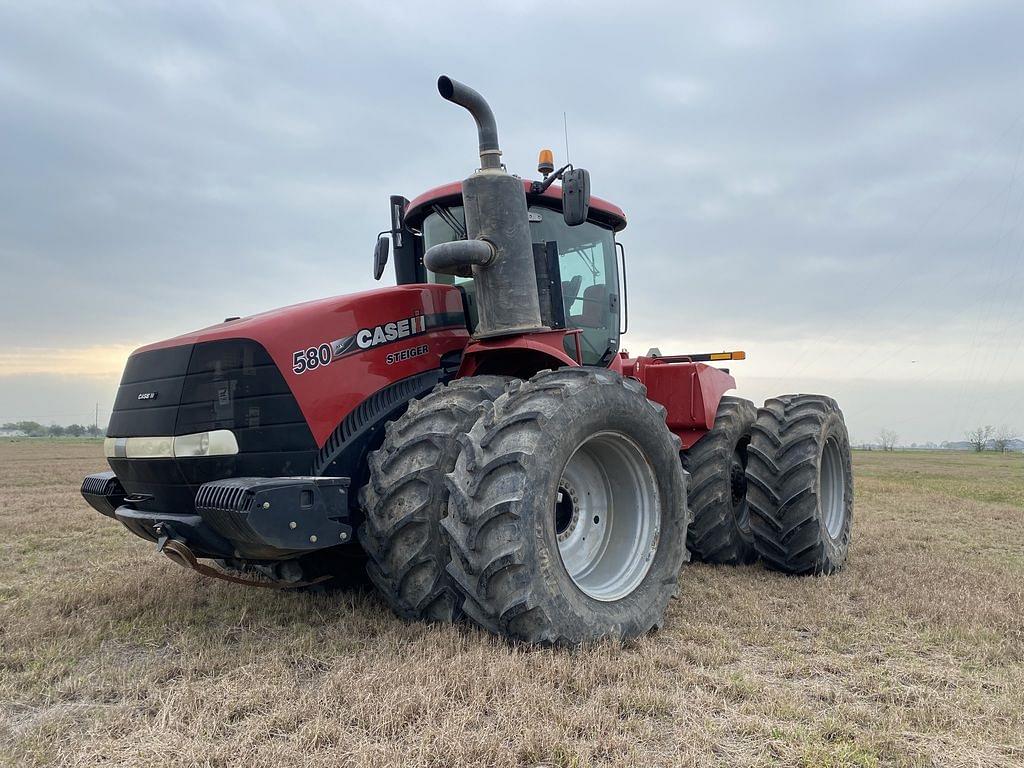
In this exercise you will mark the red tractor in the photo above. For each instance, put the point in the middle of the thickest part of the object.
(473, 437)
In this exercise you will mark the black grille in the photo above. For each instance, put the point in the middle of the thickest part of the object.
(230, 384)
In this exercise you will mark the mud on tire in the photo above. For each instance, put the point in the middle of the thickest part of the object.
(800, 484)
(551, 462)
(406, 496)
(717, 494)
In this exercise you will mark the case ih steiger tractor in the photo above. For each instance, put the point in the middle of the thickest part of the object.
(473, 436)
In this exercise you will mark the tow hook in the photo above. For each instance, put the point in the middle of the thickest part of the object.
(178, 552)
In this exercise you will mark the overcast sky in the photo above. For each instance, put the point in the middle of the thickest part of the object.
(838, 189)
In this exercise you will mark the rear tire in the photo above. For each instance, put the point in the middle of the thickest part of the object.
(406, 497)
(572, 454)
(720, 532)
(800, 484)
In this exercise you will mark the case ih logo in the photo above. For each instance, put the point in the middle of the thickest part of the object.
(147, 395)
(368, 338)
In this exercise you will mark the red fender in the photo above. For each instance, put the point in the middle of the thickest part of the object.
(689, 391)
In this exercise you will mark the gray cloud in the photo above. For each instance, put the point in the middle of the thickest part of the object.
(839, 186)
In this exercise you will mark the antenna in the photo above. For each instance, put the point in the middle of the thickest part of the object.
(565, 126)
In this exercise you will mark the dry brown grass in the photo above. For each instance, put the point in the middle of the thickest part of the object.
(110, 655)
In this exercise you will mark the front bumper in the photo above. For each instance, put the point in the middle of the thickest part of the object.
(251, 518)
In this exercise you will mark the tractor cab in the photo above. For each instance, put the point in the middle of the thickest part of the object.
(582, 261)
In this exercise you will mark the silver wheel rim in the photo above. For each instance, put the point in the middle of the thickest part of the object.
(832, 484)
(607, 516)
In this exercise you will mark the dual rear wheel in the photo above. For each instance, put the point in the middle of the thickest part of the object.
(774, 483)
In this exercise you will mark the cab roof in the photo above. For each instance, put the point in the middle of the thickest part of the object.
(601, 211)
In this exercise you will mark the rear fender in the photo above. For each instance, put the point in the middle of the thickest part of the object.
(690, 393)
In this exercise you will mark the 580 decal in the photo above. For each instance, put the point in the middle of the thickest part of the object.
(365, 339)
(311, 358)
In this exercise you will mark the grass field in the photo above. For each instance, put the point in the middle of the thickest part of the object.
(914, 655)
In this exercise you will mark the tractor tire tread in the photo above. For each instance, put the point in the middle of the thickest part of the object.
(782, 475)
(406, 496)
(487, 530)
(714, 536)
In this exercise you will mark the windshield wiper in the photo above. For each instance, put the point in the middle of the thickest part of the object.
(449, 218)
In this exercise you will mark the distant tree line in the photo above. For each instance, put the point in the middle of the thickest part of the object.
(887, 440)
(987, 438)
(981, 438)
(35, 429)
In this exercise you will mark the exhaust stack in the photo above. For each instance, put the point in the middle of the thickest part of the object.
(486, 127)
(499, 250)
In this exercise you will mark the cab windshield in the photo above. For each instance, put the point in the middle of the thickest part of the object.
(586, 259)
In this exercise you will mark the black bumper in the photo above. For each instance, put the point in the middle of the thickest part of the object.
(254, 518)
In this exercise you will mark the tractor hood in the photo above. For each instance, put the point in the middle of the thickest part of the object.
(327, 355)
(366, 308)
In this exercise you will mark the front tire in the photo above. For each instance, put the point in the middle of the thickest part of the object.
(406, 498)
(568, 516)
(800, 484)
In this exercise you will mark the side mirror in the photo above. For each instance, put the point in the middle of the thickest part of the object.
(380, 255)
(575, 196)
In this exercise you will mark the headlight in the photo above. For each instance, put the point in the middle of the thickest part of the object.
(149, 448)
(220, 442)
(192, 445)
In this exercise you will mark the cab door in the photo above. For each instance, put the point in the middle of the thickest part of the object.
(589, 277)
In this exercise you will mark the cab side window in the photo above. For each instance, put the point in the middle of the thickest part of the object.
(586, 260)
(446, 225)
